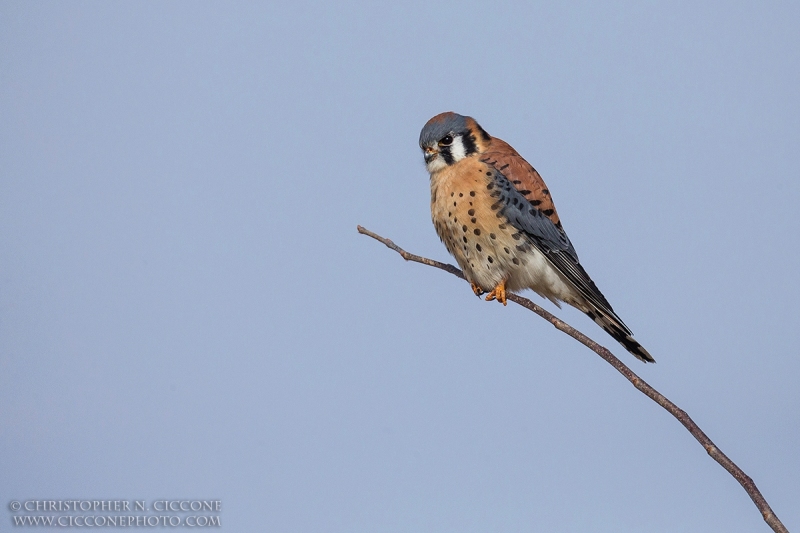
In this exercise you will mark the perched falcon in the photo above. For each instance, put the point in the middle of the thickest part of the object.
(495, 215)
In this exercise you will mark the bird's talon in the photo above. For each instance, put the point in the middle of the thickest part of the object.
(498, 293)
(477, 290)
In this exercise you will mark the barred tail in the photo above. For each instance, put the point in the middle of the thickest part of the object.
(614, 327)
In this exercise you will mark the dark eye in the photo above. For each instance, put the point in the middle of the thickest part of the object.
(447, 140)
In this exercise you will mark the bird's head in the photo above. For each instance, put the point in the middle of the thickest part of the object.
(448, 138)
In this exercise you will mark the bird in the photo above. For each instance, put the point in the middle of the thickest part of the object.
(496, 217)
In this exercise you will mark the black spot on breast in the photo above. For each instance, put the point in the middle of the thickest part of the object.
(460, 194)
(478, 247)
(492, 236)
(465, 238)
(515, 261)
(507, 250)
(476, 231)
(472, 193)
(455, 219)
(521, 248)
(502, 226)
(490, 186)
(516, 236)
(454, 204)
(490, 259)
(471, 212)
(452, 194)
(495, 206)
(464, 229)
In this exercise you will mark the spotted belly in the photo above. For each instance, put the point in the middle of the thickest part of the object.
(487, 248)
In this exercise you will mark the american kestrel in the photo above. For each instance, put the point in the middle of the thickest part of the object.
(495, 215)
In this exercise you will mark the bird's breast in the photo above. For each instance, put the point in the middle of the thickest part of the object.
(465, 215)
(467, 212)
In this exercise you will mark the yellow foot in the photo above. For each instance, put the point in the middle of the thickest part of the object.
(498, 293)
(477, 290)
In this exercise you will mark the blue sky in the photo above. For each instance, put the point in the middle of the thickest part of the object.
(187, 311)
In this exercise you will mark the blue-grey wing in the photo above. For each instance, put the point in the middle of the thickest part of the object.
(549, 239)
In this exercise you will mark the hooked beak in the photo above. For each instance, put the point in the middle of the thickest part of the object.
(430, 153)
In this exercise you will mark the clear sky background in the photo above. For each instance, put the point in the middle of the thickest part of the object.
(187, 311)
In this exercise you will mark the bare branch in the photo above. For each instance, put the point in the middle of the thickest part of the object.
(747, 483)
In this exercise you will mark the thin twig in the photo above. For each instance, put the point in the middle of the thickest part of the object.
(747, 483)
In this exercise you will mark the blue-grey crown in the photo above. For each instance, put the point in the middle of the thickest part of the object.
(440, 126)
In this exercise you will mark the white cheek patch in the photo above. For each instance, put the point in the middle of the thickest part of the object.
(436, 164)
(457, 149)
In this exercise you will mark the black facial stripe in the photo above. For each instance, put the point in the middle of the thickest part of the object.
(446, 155)
(483, 133)
(468, 139)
